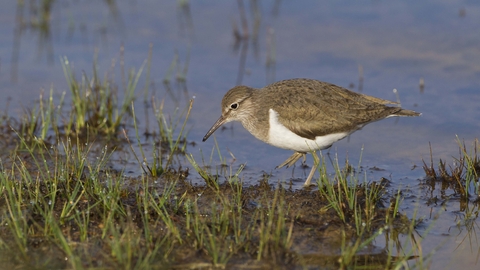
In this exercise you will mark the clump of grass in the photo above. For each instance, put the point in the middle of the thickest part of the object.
(462, 176)
(351, 199)
(205, 169)
(36, 122)
(359, 206)
(95, 102)
(459, 183)
(275, 231)
(60, 192)
(95, 108)
(168, 142)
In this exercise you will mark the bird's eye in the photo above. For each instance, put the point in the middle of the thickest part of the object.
(234, 106)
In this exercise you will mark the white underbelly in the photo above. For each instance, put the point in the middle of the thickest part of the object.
(282, 137)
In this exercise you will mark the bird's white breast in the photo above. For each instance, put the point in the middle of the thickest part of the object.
(280, 136)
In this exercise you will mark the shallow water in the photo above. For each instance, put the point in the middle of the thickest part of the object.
(391, 45)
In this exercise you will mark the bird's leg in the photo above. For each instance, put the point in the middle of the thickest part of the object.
(292, 159)
(310, 176)
(304, 159)
(316, 161)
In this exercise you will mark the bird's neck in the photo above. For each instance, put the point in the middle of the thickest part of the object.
(252, 122)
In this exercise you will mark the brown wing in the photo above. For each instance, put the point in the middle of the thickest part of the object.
(313, 108)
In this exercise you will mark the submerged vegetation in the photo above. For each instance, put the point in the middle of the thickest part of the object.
(462, 177)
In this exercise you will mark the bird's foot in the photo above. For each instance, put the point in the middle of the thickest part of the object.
(292, 159)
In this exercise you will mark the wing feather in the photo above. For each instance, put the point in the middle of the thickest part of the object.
(313, 108)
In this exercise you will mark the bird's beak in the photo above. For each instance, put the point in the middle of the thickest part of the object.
(220, 121)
